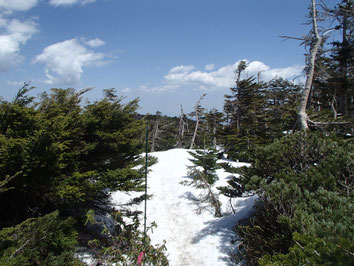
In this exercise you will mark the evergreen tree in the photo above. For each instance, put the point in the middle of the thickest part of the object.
(207, 160)
(203, 174)
(304, 184)
(56, 154)
(281, 99)
(47, 240)
(342, 58)
(214, 120)
(247, 126)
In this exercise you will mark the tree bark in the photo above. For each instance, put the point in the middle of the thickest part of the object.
(214, 133)
(181, 129)
(211, 196)
(196, 110)
(195, 129)
(155, 135)
(302, 115)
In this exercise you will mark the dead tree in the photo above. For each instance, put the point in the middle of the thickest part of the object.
(181, 129)
(155, 132)
(197, 111)
(314, 40)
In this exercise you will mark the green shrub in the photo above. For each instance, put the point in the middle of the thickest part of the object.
(309, 250)
(47, 240)
(306, 179)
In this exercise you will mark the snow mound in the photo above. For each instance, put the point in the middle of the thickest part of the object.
(191, 238)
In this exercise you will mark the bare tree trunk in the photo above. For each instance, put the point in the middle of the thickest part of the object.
(195, 129)
(181, 129)
(197, 109)
(343, 99)
(214, 133)
(213, 199)
(241, 67)
(335, 113)
(302, 115)
(155, 134)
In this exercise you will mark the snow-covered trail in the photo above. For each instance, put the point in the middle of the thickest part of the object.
(171, 211)
(191, 239)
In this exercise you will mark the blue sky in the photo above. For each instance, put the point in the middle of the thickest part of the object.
(166, 52)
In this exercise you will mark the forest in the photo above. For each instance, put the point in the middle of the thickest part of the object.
(60, 159)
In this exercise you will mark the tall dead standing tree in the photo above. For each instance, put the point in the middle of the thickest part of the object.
(181, 129)
(314, 40)
(155, 132)
(197, 112)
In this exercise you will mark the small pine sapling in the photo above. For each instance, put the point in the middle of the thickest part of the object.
(203, 173)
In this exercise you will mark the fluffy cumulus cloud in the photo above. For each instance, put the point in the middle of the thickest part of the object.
(187, 75)
(17, 5)
(69, 2)
(64, 61)
(15, 33)
(221, 78)
(94, 42)
(209, 67)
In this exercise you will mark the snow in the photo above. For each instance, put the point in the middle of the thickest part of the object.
(191, 238)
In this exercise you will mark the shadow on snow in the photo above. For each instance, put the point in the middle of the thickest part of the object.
(223, 227)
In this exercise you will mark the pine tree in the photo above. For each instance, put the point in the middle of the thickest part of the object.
(247, 126)
(203, 174)
(63, 156)
(207, 160)
(281, 99)
(214, 120)
(304, 184)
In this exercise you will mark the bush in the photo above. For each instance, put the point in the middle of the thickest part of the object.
(47, 240)
(309, 250)
(124, 244)
(306, 180)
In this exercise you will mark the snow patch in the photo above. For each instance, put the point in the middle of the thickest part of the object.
(191, 239)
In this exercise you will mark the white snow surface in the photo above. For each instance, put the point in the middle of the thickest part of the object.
(191, 238)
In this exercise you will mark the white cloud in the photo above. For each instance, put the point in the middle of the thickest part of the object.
(224, 77)
(65, 61)
(18, 84)
(147, 89)
(17, 5)
(69, 2)
(209, 67)
(21, 31)
(94, 42)
(13, 32)
(16, 33)
(181, 69)
(287, 73)
(218, 78)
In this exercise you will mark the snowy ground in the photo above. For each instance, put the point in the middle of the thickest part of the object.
(191, 239)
